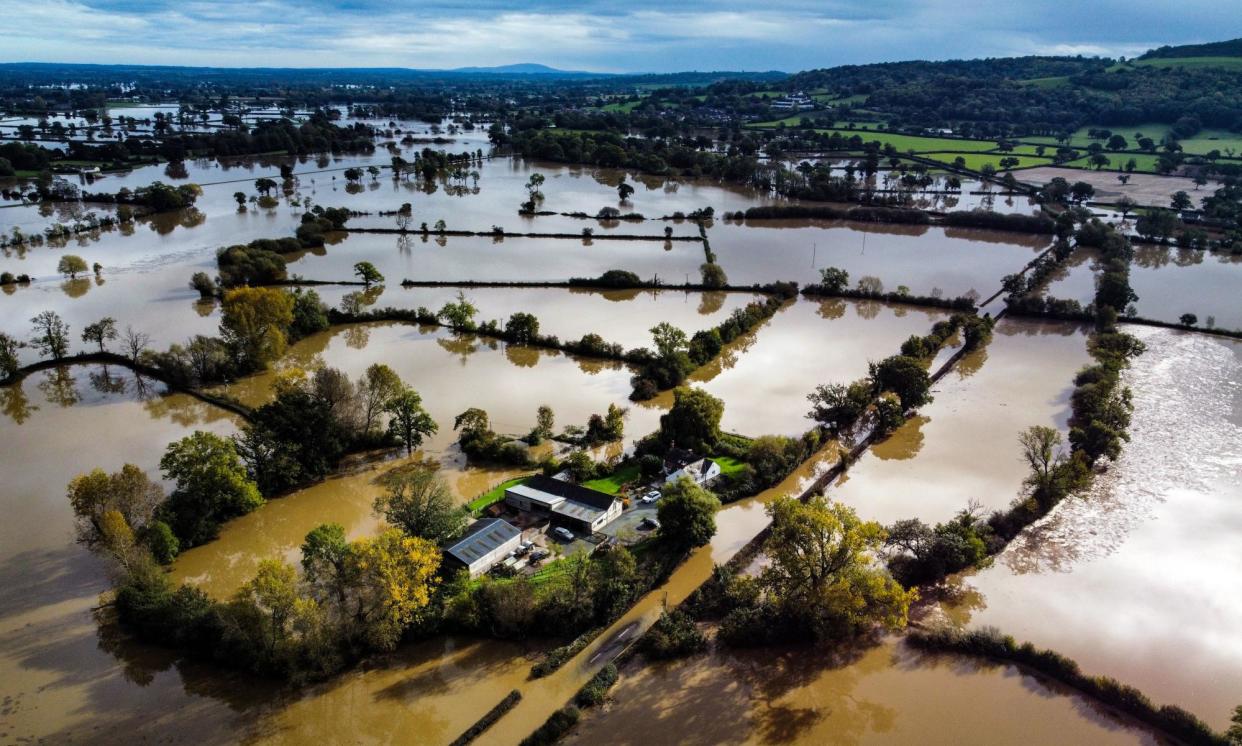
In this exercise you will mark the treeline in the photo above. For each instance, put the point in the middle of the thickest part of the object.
(987, 219)
(676, 355)
(989, 643)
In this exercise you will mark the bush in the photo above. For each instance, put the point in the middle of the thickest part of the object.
(508, 703)
(596, 690)
(554, 729)
(674, 635)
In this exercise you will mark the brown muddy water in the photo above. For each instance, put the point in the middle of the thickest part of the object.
(964, 446)
(765, 376)
(1168, 281)
(886, 694)
(1137, 579)
(60, 679)
(926, 259)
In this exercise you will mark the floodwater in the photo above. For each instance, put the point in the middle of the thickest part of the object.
(926, 259)
(888, 693)
(1137, 579)
(1168, 281)
(964, 446)
(61, 679)
(764, 376)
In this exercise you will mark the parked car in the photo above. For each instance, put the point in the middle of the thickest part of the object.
(539, 554)
(650, 497)
(649, 523)
(523, 548)
(563, 533)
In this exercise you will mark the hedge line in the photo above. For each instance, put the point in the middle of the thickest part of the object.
(508, 703)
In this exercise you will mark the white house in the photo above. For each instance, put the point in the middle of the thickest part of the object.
(700, 472)
(581, 509)
(487, 542)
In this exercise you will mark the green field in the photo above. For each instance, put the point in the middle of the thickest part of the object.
(729, 465)
(621, 106)
(1229, 63)
(1053, 82)
(920, 144)
(613, 483)
(1145, 163)
(494, 495)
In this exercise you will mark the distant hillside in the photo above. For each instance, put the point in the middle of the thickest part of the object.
(521, 68)
(1231, 48)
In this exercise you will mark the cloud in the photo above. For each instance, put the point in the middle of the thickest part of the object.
(641, 35)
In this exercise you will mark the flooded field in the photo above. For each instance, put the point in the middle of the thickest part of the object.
(886, 694)
(62, 681)
(1168, 281)
(1136, 579)
(765, 376)
(964, 446)
(926, 259)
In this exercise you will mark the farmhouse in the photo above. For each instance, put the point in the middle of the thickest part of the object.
(486, 542)
(700, 472)
(570, 505)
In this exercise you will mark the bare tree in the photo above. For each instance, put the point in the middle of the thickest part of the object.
(135, 343)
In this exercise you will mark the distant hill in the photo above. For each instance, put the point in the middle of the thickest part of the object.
(521, 68)
(1231, 48)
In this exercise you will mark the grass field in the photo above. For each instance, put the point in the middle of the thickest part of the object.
(1230, 63)
(621, 106)
(494, 495)
(1053, 82)
(613, 483)
(1144, 163)
(919, 144)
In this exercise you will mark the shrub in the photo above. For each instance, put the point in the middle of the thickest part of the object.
(674, 635)
(556, 726)
(596, 690)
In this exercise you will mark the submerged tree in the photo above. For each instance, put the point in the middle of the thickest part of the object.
(419, 502)
(410, 423)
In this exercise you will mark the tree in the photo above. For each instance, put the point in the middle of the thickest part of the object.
(394, 576)
(310, 315)
(1181, 201)
(870, 284)
(255, 321)
(669, 340)
(51, 335)
(1117, 142)
(265, 610)
(1041, 448)
(1188, 319)
(522, 328)
(687, 514)
(624, 190)
(211, 485)
(823, 576)
(1081, 191)
(904, 376)
(410, 423)
(837, 406)
(240, 198)
(1235, 729)
(459, 314)
(99, 332)
(128, 492)
(693, 422)
(418, 501)
(264, 186)
(203, 283)
(378, 386)
(70, 265)
(713, 275)
(545, 421)
(834, 280)
(367, 272)
(1126, 205)
(9, 364)
(135, 343)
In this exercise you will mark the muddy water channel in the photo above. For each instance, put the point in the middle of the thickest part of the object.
(926, 259)
(964, 446)
(60, 679)
(886, 694)
(1138, 578)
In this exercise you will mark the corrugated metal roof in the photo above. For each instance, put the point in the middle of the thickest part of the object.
(484, 537)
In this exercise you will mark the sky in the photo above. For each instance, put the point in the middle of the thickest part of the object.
(630, 36)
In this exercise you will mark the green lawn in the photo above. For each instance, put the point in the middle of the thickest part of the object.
(918, 143)
(613, 483)
(494, 495)
(729, 465)
(1144, 163)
